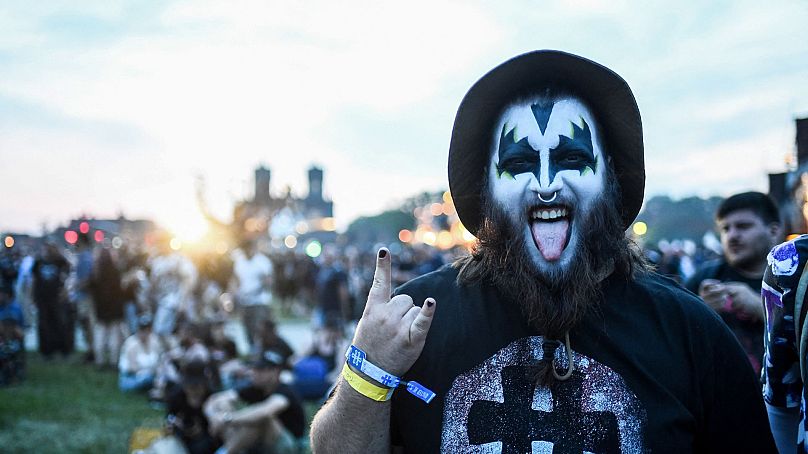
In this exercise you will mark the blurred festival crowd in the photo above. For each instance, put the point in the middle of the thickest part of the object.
(196, 334)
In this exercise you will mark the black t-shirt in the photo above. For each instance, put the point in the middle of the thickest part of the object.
(327, 285)
(749, 332)
(49, 279)
(293, 417)
(655, 370)
(187, 416)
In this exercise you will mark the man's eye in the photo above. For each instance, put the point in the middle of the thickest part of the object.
(518, 163)
(573, 158)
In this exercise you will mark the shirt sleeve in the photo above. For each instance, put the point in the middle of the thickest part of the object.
(782, 381)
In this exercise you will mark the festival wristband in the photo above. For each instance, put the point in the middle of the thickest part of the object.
(365, 387)
(358, 360)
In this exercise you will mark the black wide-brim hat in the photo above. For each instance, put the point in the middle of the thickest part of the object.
(606, 94)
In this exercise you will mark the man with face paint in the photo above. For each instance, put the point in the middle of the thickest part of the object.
(552, 336)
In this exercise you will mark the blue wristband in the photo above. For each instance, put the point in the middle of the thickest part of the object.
(358, 360)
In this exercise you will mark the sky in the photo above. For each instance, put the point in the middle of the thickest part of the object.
(120, 107)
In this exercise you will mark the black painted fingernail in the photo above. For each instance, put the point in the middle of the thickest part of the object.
(430, 303)
(382, 253)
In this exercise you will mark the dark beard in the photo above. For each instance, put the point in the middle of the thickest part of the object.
(552, 302)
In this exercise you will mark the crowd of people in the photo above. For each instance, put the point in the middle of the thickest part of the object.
(183, 329)
(165, 320)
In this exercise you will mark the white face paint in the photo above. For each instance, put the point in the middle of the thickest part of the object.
(547, 168)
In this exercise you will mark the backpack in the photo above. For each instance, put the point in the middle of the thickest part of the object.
(311, 377)
(800, 328)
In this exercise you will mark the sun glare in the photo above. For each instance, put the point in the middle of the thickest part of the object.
(188, 228)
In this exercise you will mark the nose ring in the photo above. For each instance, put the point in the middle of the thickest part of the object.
(555, 194)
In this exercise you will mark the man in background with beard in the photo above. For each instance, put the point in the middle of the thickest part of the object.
(749, 226)
(552, 335)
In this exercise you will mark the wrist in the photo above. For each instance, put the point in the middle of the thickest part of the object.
(366, 377)
(366, 388)
(356, 360)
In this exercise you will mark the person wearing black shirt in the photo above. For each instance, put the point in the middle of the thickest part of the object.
(553, 335)
(185, 415)
(749, 226)
(54, 317)
(265, 415)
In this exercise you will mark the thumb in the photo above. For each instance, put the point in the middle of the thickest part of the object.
(423, 320)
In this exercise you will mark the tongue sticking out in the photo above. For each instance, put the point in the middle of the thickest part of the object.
(550, 237)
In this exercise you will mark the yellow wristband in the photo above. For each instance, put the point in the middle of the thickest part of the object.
(366, 388)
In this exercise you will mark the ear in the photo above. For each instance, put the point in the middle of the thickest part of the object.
(776, 232)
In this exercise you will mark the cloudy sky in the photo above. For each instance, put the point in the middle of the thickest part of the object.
(119, 106)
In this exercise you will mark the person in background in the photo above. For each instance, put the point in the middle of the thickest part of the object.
(105, 288)
(231, 368)
(140, 356)
(749, 226)
(172, 279)
(268, 338)
(265, 416)
(12, 337)
(185, 417)
(81, 294)
(785, 302)
(54, 316)
(316, 370)
(252, 271)
(331, 289)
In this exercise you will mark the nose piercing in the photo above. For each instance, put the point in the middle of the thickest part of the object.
(555, 194)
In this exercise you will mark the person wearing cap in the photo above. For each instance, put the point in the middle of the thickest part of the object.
(553, 334)
(266, 415)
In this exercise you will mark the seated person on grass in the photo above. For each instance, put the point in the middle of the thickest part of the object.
(185, 416)
(140, 356)
(265, 416)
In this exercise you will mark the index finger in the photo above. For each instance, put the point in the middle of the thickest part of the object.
(380, 290)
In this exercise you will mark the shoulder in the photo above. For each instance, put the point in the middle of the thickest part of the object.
(786, 262)
(440, 278)
(440, 284)
(708, 270)
(665, 296)
(129, 342)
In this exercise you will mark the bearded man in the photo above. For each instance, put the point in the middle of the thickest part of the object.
(552, 336)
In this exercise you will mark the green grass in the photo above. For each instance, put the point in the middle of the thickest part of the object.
(64, 406)
(70, 407)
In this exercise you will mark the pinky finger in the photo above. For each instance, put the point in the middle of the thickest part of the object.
(420, 319)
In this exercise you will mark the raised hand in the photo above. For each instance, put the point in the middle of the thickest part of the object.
(392, 332)
(714, 293)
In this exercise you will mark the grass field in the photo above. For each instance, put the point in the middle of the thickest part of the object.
(64, 406)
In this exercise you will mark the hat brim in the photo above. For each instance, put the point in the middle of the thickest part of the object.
(601, 89)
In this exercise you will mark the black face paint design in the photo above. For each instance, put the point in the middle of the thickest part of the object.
(516, 157)
(542, 113)
(573, 152)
